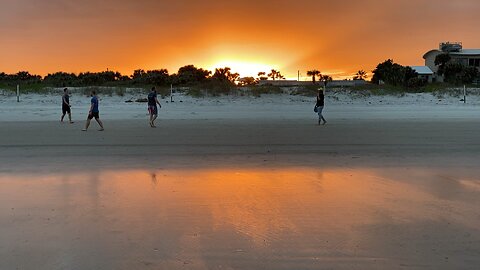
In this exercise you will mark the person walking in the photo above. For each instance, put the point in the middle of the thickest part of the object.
(93, 112)
(66, 107)
(152, 106)
(319, 107)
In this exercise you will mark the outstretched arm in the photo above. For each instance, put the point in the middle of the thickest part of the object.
(158, 102)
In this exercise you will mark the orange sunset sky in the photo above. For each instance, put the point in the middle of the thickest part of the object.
(337, 37)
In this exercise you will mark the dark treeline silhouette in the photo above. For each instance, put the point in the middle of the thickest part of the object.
(395, 74)
(22, 76)
(187, 75)
(454, 72)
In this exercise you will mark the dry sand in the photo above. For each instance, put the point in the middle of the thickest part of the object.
(241, 194)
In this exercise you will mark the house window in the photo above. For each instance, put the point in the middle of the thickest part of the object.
(474, 62)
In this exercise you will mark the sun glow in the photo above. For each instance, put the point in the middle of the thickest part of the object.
(244, 68)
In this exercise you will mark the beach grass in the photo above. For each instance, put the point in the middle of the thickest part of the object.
(214, 89)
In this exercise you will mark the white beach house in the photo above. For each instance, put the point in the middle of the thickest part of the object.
(466, 57)
(424, 73)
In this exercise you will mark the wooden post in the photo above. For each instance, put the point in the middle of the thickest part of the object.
(464, 94)
(18, 93)
(171, 92)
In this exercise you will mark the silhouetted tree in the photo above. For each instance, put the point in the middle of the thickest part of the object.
(225, 74)
(389, 72)
(124, 78)
(314, 73)
(360, 75)
(190, 75)
(441, 61)
(262, 76)
(157, 77)
(393, 74)
(275, 74)
(325, 79)
(139, 76)
(457, 73)
(23, 77)
(247, 81)
(61, 79)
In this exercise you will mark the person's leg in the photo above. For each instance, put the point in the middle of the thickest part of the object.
(100, 123)
(87, 124)
(70, 117)
(61, 119)
(153, 120)
(320, 116)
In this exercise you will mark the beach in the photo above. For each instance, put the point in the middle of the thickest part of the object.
(242, 183)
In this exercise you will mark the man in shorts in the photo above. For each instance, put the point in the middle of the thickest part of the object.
(66, 106)
(93, 112)
(152, 106)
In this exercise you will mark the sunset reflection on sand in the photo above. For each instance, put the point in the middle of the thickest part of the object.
(260, 216)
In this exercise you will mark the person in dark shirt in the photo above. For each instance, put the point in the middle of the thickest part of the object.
(319, 105)
(66, 106)
(93, 112)
(152, 106)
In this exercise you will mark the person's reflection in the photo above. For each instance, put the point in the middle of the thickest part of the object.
(154, 179)
(319, 181)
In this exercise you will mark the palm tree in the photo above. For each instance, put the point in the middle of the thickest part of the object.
(226, 74)
(360, 75)
(262, 76)
(280, 76)
(314, 73)
(326, 79)
(275, 74)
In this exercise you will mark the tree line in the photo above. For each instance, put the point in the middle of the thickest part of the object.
(453, 72)
(394, 74)
(388, 72)
(186, 76)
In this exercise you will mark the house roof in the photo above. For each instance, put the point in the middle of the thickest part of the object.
(465, 52)
(422, 70)
(430, 52)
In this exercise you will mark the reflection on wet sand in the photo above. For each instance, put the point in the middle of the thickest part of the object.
(279, 218)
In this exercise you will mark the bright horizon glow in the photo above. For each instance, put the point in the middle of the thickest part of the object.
(244, 68)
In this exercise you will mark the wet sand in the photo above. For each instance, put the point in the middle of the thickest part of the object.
(129, 143)
(241, 194)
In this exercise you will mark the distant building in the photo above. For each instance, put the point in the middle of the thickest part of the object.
(466, 57)
(424, 73)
